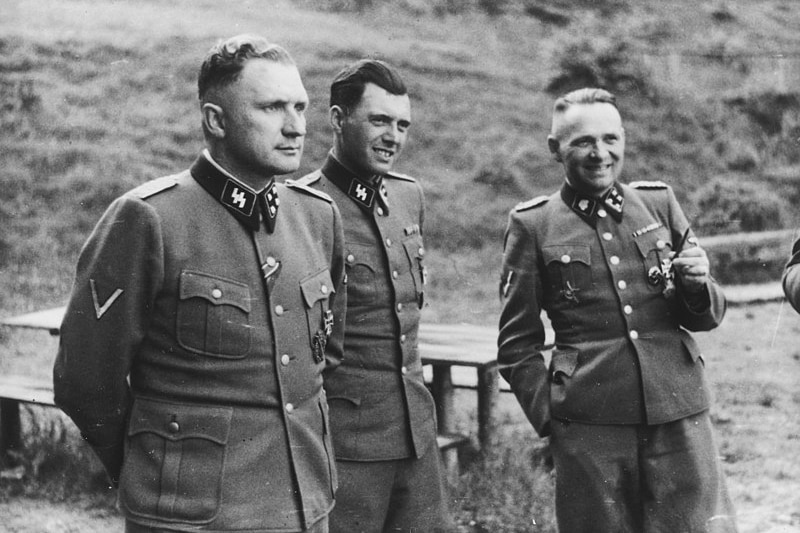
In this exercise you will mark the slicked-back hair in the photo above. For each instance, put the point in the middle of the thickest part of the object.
(348, 86)
(587, 95)
(225, 60)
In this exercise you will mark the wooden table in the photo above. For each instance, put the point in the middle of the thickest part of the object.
(444, 347)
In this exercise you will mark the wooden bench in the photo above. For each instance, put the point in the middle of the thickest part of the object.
(15, 390)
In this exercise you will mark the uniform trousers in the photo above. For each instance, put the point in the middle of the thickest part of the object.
(321, 526)
(662, 478)
(387, 496)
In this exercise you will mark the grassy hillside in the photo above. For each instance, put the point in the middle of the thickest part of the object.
(98, 96)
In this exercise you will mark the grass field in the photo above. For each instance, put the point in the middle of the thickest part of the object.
(98, 96)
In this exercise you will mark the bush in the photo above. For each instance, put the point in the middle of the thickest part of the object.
(614, 66)
(729, 205)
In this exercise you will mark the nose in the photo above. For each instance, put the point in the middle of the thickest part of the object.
(392, 134)
(294, 124)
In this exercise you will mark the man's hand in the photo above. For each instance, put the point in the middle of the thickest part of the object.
(692, 267)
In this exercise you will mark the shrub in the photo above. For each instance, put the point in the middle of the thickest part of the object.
(729, 205)
(613, 65)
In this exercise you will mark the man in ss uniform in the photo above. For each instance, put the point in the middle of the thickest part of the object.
(206, 306)
(791, 277)
(382, 415)
(623, 279)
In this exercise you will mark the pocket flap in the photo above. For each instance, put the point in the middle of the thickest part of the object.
(317, 287)
(216, 290)
(564, 361)
(177, 421)
(567, 253)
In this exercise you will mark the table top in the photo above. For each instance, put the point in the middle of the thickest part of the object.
(448, 344)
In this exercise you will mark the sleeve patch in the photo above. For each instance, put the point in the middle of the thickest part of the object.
(648, 185)
(530, 204)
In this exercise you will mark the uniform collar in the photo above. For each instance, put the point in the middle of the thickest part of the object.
(589, 208)
(247, 205)
(365, 193)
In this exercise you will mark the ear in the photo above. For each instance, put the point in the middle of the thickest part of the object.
(214, 119)
(336, 116)
(553, 144)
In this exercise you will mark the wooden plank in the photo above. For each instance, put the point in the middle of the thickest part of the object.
(48, 319)
(26, 389)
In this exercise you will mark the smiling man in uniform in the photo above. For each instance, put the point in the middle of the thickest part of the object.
(622, 279)
(383, 418)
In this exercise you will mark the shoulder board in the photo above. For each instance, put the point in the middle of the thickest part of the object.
(397, 175)
(530, 204)
(150, 188)
(648, 185)
(308, 179)
(296, 185)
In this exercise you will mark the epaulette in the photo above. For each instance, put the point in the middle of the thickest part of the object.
(648, 185)
(150, 188)
(399, 176)
(293, 184)
(530, 204)
(308, 179)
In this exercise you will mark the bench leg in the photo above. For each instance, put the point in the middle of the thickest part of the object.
(443, 395)
(488, 393)
(10, 430)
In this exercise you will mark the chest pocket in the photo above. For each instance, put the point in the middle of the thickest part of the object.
(415, 252)
(569, 270)
(316, 290)
(654, 249)
(361, 264)
(213, 315)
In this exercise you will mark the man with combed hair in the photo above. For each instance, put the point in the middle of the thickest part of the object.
(382, 416)
(622, 279)
(206, 306)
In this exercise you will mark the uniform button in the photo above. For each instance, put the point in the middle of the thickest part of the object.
(404, 371)
(380, 211)
(622, 285)
(614, 260)
(634, 334)
(607, 236)
(173, 427)
(403, 338)
(421, 251)
(350, 258)
(565, 259)
(289, 408)
(285, 359)
(323, 289)
(216, 294)
(399, 307)
(388, 241)
(395, 274)
(660, 244)
(628, 309)
(271, 261)
(279, 310)
(601, 213)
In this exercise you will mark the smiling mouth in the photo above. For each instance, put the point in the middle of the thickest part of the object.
(386, 154)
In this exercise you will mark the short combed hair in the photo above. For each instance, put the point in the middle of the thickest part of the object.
(225, 60)
(348, 86)
(587, 95)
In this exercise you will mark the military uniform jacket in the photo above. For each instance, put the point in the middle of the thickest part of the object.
(380, 407)
(623, 354)
(224, 426)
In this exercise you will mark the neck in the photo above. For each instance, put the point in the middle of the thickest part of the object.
(220, 162)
